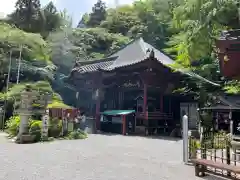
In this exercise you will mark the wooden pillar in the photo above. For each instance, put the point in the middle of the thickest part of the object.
(98, 102)
(124, 125)
(161, 103)
(145, 111)
(169, 105)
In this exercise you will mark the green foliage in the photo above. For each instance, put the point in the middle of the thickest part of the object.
(53, 20)
(96, 42)
(33, 46)
(56, 104)
(28, 15)
(149, 19)
(66, 19)
(12, 126)
(78, 134)
(187, 27)
(36, 129)
(40, 88)
(206, 119)
(55, 127)
(232, 87)
(15, 91)
(62, 47)
(123, 20)
(198, 23)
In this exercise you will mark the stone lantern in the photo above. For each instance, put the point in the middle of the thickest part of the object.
(25, 110)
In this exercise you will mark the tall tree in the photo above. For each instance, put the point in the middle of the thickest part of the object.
(66, 20)
(98, 14)
(28, 16)
(124, 20)
(82, 23)
(33, 47)
(52, 19)
(198, 24)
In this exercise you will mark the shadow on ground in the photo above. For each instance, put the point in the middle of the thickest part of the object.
(167, 138)
(211, 177)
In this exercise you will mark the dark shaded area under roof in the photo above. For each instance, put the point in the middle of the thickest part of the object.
(226, 102)
(135, 52)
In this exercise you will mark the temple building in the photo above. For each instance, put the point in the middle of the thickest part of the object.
(137, 77)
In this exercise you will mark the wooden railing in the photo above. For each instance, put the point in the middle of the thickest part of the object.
(155, 115)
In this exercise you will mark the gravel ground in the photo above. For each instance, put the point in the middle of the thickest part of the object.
(100, 157)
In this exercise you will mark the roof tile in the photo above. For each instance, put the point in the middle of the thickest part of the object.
(133, 53)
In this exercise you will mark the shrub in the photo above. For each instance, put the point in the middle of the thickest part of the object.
(55, 127)
(78, 134)
(36, 129)
(12, 125)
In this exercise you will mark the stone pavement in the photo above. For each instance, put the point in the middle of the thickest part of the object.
(100, 157)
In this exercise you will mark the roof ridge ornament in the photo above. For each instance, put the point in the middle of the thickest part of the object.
(152, 54)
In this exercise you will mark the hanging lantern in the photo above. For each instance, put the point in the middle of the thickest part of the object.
(98, 94)
(77, 95)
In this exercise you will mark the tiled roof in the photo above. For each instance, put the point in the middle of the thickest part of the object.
(226, 102)
(133, 53)
(93, 66)
(230, 35)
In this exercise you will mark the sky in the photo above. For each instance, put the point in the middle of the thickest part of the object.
(75, 8)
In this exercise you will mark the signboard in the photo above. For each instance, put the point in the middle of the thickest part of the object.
(45, 120)
(70, 126)
(132, 84)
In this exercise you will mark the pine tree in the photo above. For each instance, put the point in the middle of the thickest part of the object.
(82, 23)
(52, 19)
(98, 14)
(28, 15)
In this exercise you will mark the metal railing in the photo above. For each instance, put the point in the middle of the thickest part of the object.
(215, 147)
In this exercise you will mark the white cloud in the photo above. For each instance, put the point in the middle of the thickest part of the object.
(111, 3)
(7, 6)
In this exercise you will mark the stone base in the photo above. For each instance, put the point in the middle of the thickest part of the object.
(98, 131)
(26, 138)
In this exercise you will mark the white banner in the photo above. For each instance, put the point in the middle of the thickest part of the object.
(45, 120)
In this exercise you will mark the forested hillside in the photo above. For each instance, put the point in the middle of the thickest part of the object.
(49, 44)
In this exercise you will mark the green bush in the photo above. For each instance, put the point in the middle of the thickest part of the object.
(36, 129)
(55, 127)
(12, 125)
(78, 134)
